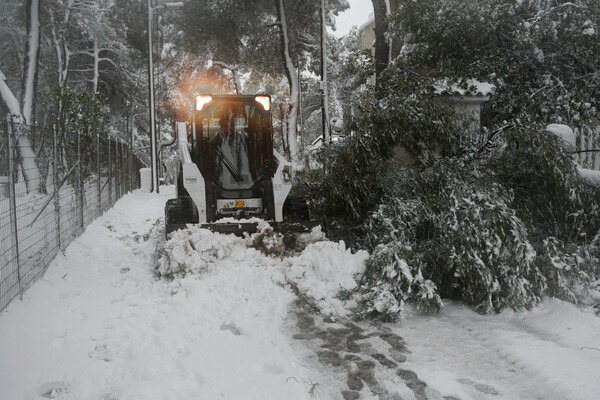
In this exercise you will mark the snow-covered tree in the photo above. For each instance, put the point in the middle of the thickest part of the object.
(23, 110)
(265, 38)
(542, 56)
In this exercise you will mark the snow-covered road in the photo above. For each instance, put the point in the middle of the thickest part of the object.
(101, 326)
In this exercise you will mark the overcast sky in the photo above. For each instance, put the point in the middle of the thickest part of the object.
(357, 15)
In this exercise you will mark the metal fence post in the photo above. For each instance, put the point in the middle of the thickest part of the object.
(124, 167)
(121, 169)
(56, 188)
(13, 198)
(109, 174)
(117, 172)
(131, 167)
(98, 174)
(79, 179)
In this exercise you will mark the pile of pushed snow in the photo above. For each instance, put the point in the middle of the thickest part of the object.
(590, 176)
(323, 271)
(563, 132)
(194, 251)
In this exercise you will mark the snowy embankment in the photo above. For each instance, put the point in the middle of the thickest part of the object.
(220, 324)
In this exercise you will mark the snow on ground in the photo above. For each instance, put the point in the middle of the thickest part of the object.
(101, 326)
(551, 352)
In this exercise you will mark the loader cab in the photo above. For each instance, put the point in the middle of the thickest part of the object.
(232, 145)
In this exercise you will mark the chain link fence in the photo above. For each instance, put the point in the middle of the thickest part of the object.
(50, 190)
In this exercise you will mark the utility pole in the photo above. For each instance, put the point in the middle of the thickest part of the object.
(153, 147)
(323, 83)
(153, 154)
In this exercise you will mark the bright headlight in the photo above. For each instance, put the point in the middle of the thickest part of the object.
(201, 101)
(265, 101)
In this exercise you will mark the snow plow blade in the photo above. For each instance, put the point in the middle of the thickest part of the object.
(240, 228)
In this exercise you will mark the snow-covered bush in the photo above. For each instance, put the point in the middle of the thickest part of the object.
(548, 191)
(349, 184)
(475, 224)
(496, 228)
(447, 231)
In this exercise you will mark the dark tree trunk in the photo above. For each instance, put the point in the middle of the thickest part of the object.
(30, 62)
(382, 49)
(292, 77)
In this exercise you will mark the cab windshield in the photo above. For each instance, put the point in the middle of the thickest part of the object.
(232, 137)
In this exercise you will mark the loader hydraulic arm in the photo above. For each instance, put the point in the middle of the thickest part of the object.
(192, 178)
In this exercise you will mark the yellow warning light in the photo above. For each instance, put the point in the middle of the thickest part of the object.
(201, 101)
(265, 101)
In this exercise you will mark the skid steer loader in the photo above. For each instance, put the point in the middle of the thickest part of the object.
(229, 176)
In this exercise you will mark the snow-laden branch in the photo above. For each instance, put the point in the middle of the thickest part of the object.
(235, 72)
(109, 50)
(108, 60)
(8, 97)
(541, 15)
(83, 52)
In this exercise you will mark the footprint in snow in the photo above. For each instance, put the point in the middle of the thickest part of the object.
(272, 369)
(414, 383)
(231, 327)
(101, 352)
(349, 349)
(52, 390)
(480, 387)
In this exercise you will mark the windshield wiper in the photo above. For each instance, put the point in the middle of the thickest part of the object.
(235, 173)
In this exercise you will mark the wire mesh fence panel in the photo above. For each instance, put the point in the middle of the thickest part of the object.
(51, 189)
(9, 265)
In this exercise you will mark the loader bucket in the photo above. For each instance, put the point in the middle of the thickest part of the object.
(242, 227)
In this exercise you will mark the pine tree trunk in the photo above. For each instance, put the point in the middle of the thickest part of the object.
(382, 49)
(32, 55)
(235, 73)
(23, 111)
(290, 72)
(31, 173)
(96, 56)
